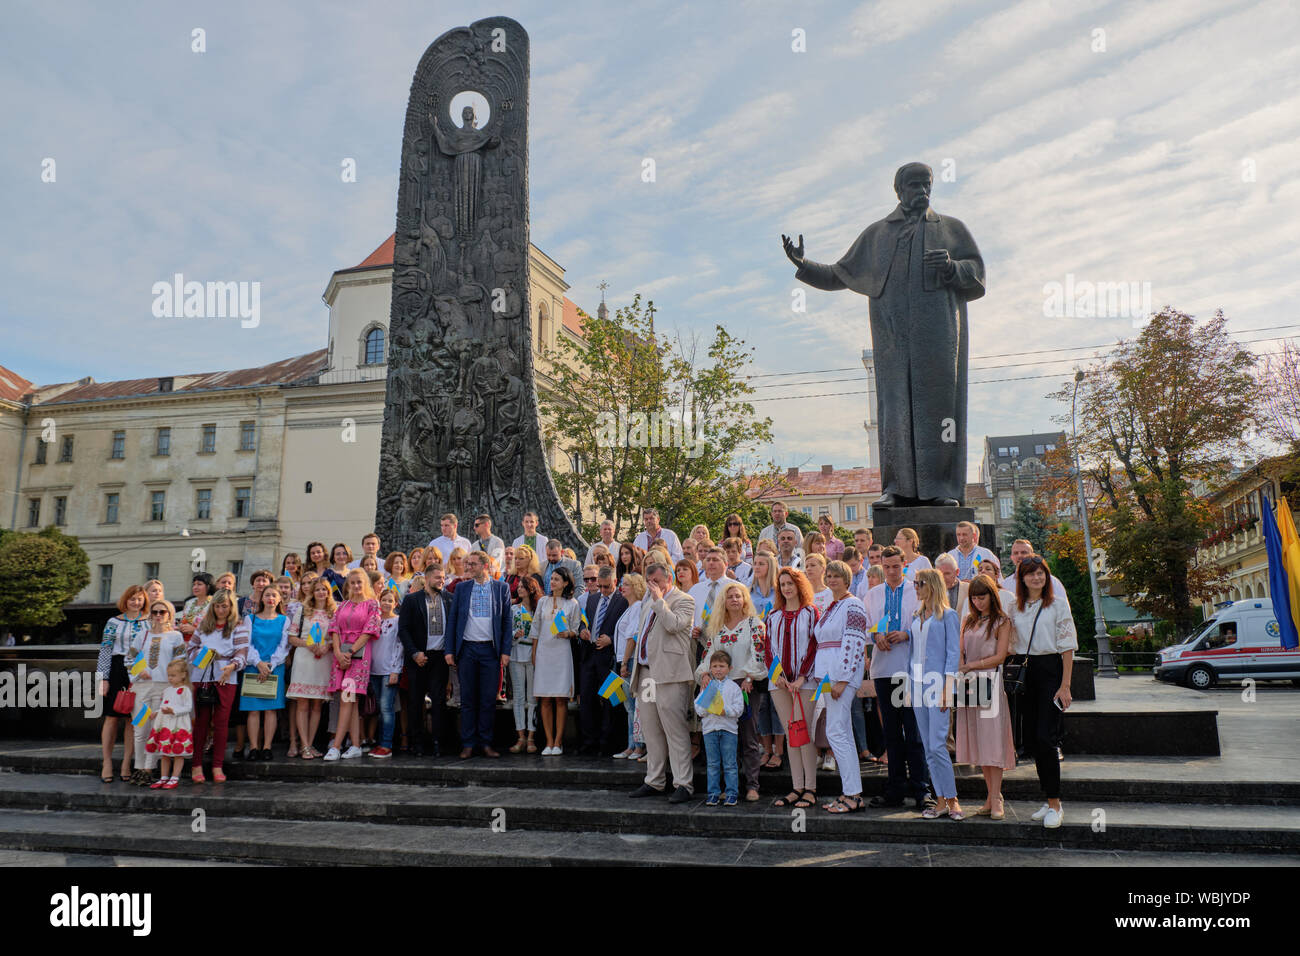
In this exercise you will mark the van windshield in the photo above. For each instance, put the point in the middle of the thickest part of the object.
(1208, 628)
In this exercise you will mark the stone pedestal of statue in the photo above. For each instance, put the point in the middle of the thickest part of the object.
(936, 526)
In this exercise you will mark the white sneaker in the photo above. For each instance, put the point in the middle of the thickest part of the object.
(332, 754)
(1054, 818)
(830, 763)
(351, 752)
(546, 751)
(1041, 812)
(556, 751)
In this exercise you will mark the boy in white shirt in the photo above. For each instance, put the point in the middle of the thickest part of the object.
(721, 730)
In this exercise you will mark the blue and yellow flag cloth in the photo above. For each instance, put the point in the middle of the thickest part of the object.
(705, 612)
(143, 714)
(315, 635)
(823, 687)
(614, 689)
(776, 670)
(205, 657)
(711, 698)
(139, 666)
(558, 624)
(585, 623)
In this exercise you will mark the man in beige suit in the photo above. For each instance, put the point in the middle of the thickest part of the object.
(663, 678)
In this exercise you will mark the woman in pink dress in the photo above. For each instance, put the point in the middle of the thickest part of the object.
(984, 732)
(354, 626)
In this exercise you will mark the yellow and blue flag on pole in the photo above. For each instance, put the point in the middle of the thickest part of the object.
(614, 689)
(558, 624)
(1283, 570)
(711, 698)
(139, 666)
(143, 714)
(205, 657)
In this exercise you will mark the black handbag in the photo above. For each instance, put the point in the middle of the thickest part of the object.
(205, 693)
(1016, 669)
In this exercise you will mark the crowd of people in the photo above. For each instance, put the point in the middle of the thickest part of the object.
(753, 651)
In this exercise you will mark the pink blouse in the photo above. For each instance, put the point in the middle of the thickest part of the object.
(352, 620)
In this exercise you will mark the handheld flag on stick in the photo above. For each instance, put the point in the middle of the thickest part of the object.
(143, 714)
(614, 689)
(823, 687)
(526, 617)
(140, 666)
(585, 623)
(704, 614)
(558, 624)
(878, 627)
(776, 670)
(205, 657)
(767, 608)
(315, 635)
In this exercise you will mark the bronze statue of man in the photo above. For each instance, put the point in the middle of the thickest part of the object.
(919, 269)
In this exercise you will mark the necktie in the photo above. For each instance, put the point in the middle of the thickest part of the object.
(600, 615)
(643, 645)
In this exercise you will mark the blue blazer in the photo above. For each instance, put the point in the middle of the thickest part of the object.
(942, 647)
(502, 634)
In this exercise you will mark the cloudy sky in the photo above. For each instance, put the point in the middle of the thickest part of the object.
(1125, 142)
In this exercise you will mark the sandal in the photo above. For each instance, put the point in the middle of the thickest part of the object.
(218, 776)
(807, 798)
(309, 753)
(196, 775)
(532, 746)
(788, 800)
(773, 762)
(293, 752)
(844, 804)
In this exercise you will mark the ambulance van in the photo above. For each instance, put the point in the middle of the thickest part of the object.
(1241, 640)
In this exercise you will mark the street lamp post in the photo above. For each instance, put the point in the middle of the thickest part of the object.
(1105, 662)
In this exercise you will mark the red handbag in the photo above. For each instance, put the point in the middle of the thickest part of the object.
(796, 731)
(124, 702)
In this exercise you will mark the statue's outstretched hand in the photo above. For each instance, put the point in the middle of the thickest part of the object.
(793, 252)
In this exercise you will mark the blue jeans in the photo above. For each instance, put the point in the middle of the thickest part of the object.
(480, 676)
(720, 748)
(387, 697)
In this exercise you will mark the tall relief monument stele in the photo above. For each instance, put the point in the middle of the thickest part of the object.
(461, 431)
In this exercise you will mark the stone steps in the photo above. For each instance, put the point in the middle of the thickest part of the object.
(421, 810)
(31, 837)
(571, 772)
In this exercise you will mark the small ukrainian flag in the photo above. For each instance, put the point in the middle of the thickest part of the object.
(711, 698)
(584, 618)
(526, 617)
(205, 657)
(704, 614)
(140, 666)
(823, 687)
(614, 689)
(878, 627)
(776, 670)
(144, 713)
(558, 624)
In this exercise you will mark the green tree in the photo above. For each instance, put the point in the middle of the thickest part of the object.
(40, 572)
(1064, 553)
(655, 422)
(1155, 415)
(1030, 522)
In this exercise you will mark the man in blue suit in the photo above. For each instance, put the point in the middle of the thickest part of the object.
(478, 643)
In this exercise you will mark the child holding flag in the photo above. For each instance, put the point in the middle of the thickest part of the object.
(719, 705)
(172, 736)
(735, 628)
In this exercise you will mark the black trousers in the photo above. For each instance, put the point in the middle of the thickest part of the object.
(431, 679)
(595, 714)
(908, 774)
(1042, 720)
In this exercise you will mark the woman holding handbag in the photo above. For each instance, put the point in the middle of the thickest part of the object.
(262, 686)
(120, 632)
(218, 651)
(150, 654)
(309, 676)
(984, 723)
(790, 640)
(1045, 642)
